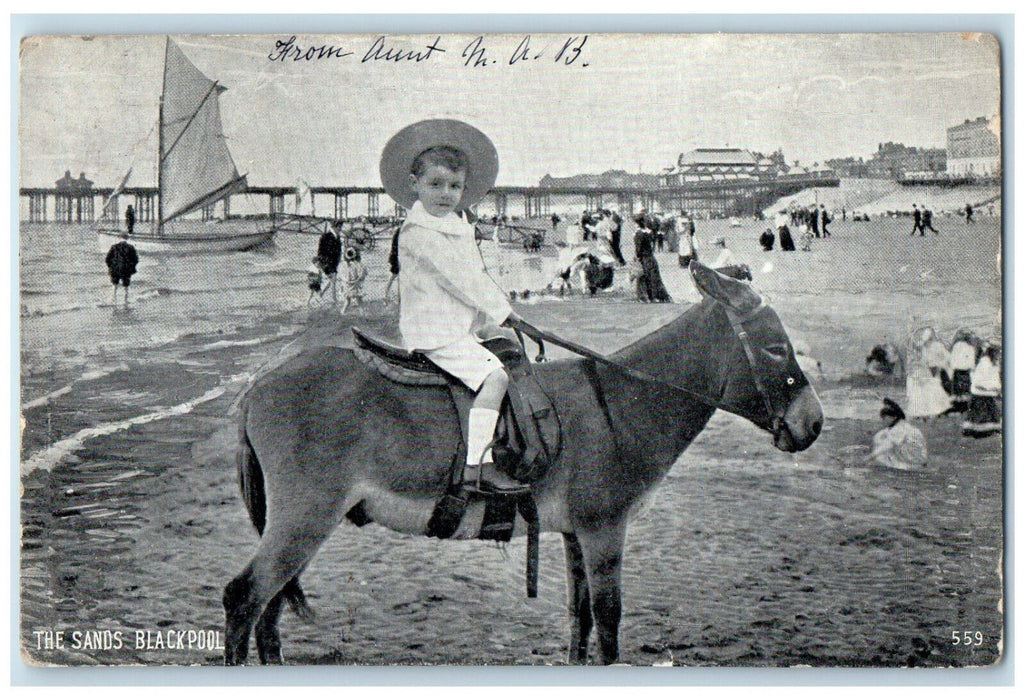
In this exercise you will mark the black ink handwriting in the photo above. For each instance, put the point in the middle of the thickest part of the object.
(570, 51)
(379, 51)
(523, 52)
(287, 49)
(475, 53)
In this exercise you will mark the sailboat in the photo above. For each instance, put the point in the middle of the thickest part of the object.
(195, 170)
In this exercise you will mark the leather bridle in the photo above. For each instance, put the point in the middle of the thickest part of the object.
(776, 413)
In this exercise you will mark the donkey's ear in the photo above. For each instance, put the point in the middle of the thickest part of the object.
(734, 293)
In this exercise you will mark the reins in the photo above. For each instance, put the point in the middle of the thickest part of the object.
(539, 336)
(736, 321)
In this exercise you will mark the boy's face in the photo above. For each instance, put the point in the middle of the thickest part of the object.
(439, 189)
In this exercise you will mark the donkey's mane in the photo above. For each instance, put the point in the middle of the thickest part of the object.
(641, 353)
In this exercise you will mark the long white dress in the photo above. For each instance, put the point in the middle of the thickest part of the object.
(925, 392)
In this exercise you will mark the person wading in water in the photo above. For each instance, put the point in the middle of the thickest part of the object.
(121, 263)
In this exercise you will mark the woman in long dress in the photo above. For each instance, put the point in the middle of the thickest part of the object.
(984, 409)
(649, 283)
(786, 241)
(965, 350)
(927, 362)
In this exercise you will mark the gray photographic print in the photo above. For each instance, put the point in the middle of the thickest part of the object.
(522, 349)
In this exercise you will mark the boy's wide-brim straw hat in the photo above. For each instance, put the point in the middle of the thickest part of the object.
(403, 148)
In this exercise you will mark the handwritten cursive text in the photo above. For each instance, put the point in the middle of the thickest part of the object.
(380, 51)
(285, 50)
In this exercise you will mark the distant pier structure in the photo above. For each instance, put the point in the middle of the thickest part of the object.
(77, 200)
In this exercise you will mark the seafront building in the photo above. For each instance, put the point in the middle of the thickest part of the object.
(973, 148)
(895, 161)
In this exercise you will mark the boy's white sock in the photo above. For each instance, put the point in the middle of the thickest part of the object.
(481, 432)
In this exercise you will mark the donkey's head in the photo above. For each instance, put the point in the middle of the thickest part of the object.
(759, 378)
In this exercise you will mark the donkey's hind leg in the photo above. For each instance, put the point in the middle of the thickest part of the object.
(287, 546)
(240, 611)
(268, 640)
(578, 600)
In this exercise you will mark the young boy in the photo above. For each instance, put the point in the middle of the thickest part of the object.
(437, 169)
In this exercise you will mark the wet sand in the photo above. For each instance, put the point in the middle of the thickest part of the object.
(746, 557)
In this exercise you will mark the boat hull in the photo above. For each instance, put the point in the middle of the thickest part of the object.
(217, 239)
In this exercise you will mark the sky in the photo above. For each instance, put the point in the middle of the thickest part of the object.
(628, 101)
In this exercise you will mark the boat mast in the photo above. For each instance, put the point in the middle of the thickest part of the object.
(160, 146)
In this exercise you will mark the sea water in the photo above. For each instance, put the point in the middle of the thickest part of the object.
(67, 308)
(90, 366)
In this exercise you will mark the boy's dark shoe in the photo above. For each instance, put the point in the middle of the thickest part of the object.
(486, 479)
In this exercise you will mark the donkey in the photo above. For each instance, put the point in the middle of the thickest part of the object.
(324, 436)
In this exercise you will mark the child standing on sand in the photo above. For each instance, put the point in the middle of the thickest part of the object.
(805, 238)
(437, 169)
(927, 362)
(355, 274)
(315, 279)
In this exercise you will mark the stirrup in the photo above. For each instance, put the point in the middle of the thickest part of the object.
(478, 484)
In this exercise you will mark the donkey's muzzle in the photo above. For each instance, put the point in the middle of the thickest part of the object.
(802, 422)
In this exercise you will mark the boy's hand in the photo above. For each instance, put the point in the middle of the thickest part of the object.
(516, 322)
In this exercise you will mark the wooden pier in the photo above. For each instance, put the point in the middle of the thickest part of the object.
(720, 198)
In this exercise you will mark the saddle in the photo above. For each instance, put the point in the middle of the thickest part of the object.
(528, 437)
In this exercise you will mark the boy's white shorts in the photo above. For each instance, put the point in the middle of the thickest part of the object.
(466, 359)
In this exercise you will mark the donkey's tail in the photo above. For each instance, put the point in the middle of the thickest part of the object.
(250, 483)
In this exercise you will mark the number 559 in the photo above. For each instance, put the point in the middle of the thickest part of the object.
(966, 638)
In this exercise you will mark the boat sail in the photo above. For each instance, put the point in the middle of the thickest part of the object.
(195, 169)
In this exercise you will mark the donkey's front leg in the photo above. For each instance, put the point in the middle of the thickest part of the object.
(578, 600)
(603, 557)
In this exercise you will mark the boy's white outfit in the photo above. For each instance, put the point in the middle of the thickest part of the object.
(447, 295)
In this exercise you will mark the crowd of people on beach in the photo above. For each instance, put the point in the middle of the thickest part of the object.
(593, 252)
(963, 378)
(810, 222)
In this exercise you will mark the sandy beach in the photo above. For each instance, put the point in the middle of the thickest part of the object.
(747, 556)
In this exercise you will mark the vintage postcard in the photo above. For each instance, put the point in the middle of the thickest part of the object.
(519, 349)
